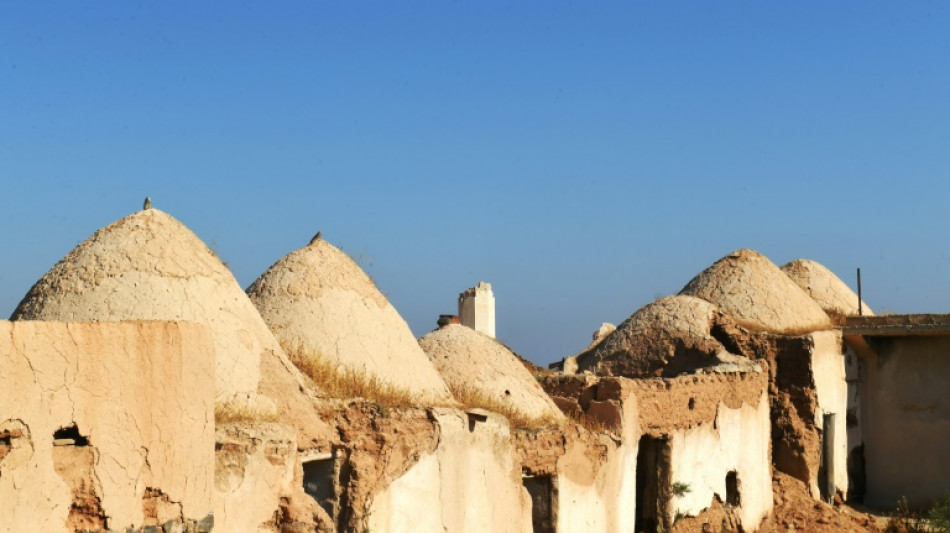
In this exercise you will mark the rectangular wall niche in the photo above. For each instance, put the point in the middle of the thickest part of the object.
(318, 480)
(541, 489)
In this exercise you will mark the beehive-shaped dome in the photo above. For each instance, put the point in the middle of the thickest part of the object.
(832, 294)
(321, 304)
(754, 291)
(666, 338)
(481, 370)
(148, 266)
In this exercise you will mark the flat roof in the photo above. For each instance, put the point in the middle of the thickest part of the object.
(897, 325)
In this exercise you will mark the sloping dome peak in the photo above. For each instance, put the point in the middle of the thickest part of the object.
(832, 294)
(321, 305)
(477, 366)
(754, 291)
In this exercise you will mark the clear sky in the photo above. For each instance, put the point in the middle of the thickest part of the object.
(583, 157)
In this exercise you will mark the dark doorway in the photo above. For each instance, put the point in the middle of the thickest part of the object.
(826, 468)
(318, 482)
(653, 480)
(856, 476)
(541, 489)
(732, 489)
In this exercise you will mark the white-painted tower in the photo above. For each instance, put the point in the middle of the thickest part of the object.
(477, 308)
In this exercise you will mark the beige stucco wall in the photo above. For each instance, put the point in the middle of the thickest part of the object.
(254, 466)
(702, 456)
(601, 497)
(470, 483)
(831, 388)
(143, 394)
(907, 421)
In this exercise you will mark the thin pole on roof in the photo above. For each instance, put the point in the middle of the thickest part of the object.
(860, 307)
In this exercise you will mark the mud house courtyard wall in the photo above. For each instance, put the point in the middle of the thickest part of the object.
(907, 420)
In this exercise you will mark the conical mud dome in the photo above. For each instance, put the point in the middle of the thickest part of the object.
(478, 367)
(750, 288)
(148, 266)
(832, 294)
(320, 304)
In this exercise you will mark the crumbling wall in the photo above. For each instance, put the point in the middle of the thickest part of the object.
(714, 423)
(736, 442)
(255, 477)
(807, 380)
(469, 482)
(105, 425)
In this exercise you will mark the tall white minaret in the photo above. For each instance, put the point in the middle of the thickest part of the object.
(477, 308)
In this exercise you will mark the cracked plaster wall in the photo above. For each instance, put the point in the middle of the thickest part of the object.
(141, 392)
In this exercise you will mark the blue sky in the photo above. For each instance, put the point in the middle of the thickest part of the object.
(583, 157)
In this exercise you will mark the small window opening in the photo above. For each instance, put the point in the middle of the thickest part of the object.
(692, 403)
(732, 489)
(318, 481)
(475, 417)
(63, 435)
(541, 490)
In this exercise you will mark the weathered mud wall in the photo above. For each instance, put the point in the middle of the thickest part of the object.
(907, 421)
(714, 424)
(105, 425)
(738, 443)
(807, 382)
(831, 389)
(592, 474)
(469, 482)
(255, 467)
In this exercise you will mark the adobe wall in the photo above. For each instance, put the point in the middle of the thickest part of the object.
(907, 420)
(737, 441)
(714, 423)
(831, 389)
(593, 472)
(470, 482)
(258, 479)
(141, 398)
(807, 381)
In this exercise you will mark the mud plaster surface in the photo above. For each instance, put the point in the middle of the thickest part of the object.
(318, 299)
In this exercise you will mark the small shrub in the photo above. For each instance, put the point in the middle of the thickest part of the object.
(680, 489)
(940, 515)
(225, 412)
(904, 520)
